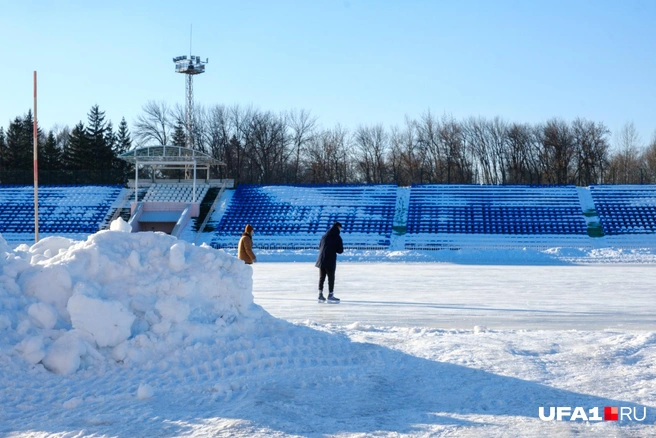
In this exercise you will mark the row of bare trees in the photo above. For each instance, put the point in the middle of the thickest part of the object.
(267, 148)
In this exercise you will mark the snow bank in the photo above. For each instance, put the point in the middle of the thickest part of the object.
(120, 225)
(118, 296)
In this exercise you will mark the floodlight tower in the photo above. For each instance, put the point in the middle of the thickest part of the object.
(190, 66)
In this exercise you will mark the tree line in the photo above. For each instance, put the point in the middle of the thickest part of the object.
(266, 148)
(263, 147)
(86, 154)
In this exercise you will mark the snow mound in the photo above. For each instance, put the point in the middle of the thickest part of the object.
(118, 296)
(119, 224)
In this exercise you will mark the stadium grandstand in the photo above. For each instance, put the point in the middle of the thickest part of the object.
(71, 211)
(386, 217)
(294, 217)
(626, 209)
(487, 215)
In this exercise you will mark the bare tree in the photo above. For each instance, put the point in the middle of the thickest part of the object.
(328, 160)
(521, 165)
(625, 161)
(459, 166)
(154, 125)
(217, 136)
(558, 151)
(371, 144)
(237, 158)
(406, 160)
(303, 127)
(266, 142)
(217, 131)
(263, 147)
(479, 135)
(649, 161)
(592, 147)
(428, 139)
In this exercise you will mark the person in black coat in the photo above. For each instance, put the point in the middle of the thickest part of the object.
(330, 245)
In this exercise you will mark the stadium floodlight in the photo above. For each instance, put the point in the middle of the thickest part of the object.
(190, 67)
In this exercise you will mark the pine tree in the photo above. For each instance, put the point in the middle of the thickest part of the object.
(123, 140)
(179, 134)
(78, 154)
(122, 144)
(19, 144)
(110, 137)
(3, 149)
(18, 153)
(50, 155)
(97, 134)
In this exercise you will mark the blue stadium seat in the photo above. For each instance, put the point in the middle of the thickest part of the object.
(302, 213)
(464, 209)
(625, 209)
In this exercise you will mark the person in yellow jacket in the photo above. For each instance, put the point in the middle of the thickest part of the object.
(245, 249)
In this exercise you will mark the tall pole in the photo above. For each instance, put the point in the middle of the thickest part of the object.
(190, 97)
(36, 171)
(189, 115)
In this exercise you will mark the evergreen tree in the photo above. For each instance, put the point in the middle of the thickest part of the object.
(110, 137)
(19, 144)
(3, 149)
(179, 134)
(78, 154)
(98, 133)
(18, 153)
(50, 155)
(123, 140)
(122, 144)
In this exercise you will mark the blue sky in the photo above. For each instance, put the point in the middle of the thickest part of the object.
(350, 62)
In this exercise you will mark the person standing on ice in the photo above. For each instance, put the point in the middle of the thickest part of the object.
(245, 248)
(331, 244)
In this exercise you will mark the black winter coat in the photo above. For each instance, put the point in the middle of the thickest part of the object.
(330, 245)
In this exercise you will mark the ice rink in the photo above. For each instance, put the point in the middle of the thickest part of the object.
(588, 297)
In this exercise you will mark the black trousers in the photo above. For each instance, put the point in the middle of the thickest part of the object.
(331, 279)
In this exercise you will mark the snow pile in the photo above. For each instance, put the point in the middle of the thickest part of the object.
(120, 225)
(12, 300)
(118, 296)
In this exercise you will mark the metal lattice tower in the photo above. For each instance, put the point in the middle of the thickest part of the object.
(190, 66)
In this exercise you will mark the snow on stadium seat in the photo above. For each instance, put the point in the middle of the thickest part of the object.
(296, 216)
(503, 210)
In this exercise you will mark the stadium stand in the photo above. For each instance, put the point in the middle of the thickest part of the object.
(175, 193)
(437, 213)
(63, 210)
(295, 217)
(625, 209)
(373, 216)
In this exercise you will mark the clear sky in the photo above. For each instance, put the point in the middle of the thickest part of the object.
(350, 62)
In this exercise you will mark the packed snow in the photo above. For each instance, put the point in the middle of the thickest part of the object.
(141, 334)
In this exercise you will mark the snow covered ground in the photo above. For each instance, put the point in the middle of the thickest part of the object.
(136, 335)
